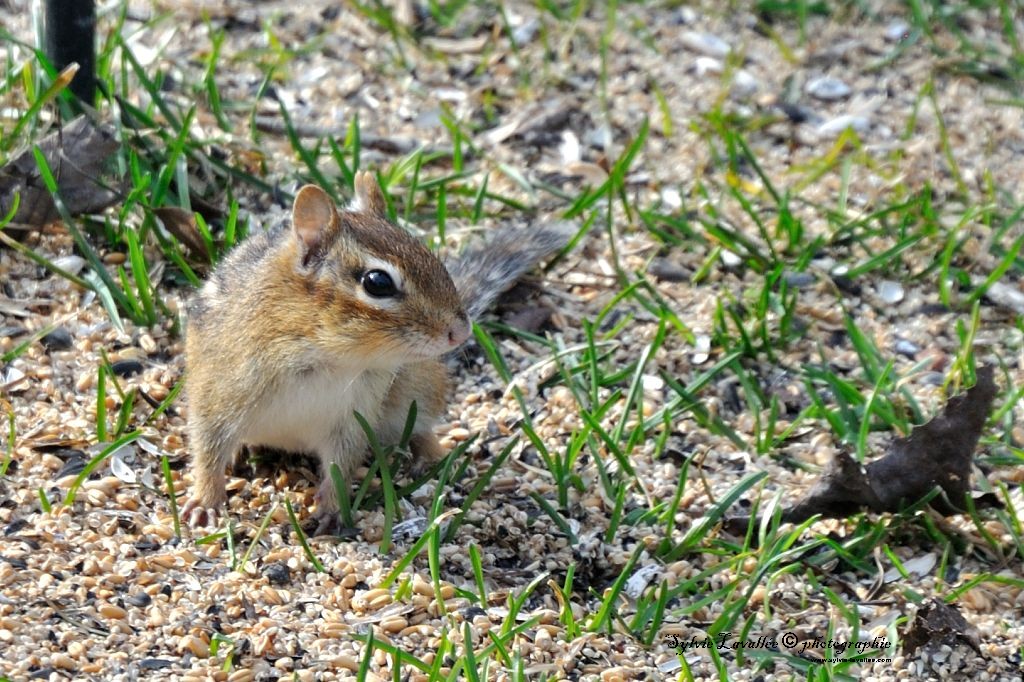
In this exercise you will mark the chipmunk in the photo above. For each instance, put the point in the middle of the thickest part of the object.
(298, 329)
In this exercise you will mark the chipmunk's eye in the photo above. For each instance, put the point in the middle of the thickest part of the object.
(379, 284)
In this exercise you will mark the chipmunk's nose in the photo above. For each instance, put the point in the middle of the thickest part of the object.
(459, 331)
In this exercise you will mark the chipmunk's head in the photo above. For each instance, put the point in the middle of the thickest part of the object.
(381, 296)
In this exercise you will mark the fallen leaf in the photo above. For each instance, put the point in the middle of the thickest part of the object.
(182, 224)
(938, 453)
(76, 155)
(938, 624)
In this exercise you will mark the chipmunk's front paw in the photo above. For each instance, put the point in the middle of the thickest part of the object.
(325, 520)
(197, 513)
(322, 522)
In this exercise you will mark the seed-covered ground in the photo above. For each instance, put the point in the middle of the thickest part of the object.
(799, 236)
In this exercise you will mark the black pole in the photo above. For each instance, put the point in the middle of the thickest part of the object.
(71, 37)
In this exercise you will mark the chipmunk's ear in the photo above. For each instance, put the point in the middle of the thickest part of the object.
(369, 197)
(315, 222)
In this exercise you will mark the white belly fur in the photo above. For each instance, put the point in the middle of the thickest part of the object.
(313, 412)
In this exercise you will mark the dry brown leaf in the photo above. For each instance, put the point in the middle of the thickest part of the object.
(936, 625)
(182, 224)
(938, 453)
(76, 155)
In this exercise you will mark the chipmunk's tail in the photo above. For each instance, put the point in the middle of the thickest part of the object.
(483, 272)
